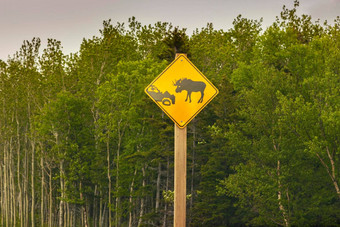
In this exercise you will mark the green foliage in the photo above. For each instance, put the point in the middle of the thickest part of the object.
(67, 127)
(282, 138)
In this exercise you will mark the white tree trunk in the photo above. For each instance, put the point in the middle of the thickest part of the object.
(32, 183)
(61, 204)
(6, 186)
(130, 199)
(12, 184)
(141, 212)
(1, 194)
(50, 204)
(26, 179)
(158, 184)
(335, 183)
(42, 196)
(109, 176)
(331, 172)
(166, 189)
(84, 210)
(279, 195)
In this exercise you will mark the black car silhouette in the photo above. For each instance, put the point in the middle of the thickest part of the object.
(166, 98)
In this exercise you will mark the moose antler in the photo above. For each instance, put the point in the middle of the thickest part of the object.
(176, 83)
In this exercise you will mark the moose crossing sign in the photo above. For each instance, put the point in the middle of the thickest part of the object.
(181, 91)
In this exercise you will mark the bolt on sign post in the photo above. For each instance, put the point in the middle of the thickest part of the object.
(181, 91)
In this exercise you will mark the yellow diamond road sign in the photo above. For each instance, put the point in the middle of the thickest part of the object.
(181, 91)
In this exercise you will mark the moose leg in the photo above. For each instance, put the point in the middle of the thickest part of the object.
(201, 99)
(188, 96)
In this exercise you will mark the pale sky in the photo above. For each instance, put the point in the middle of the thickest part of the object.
(69, 21)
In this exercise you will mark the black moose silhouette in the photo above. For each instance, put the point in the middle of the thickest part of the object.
(190, 86)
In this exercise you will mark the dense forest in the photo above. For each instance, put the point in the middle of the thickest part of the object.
(81, 144)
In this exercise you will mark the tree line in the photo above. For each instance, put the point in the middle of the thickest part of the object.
(81, 144)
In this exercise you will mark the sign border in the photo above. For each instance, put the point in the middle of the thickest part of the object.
(200, 109)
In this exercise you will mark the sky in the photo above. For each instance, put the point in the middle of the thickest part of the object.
(69, 21)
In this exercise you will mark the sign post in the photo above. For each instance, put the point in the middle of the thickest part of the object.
(180, 187)
(181, 91)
